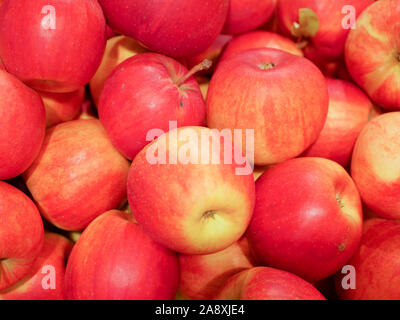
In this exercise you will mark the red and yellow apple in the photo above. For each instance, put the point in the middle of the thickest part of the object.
(263, 283)
(283, 97)
(202, 276)
(78, 174)
(22, 123)
(21, 235)
(320, 27)
(189, 194)
(349, 110)
(307, 219)
(45, 280)
(177, 28)
(163, 92)
(374, 165)
(115, 260)
(43, 44)
(372, 53)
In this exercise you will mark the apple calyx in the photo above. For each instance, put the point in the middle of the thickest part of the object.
(204, 65)
(397, 55)
(209, 214)
(307, 26)
(266, 66)
(339, 201)
(341, 247)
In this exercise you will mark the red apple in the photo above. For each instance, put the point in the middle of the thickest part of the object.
(262, 283)
(374, 165)
(212, 53)
(115, 260)
(21, 235)
(178, 28)
(61, 107)
(39, 284)
(307, 219)
(191, 204)
(373, 53)
(117, 50)
(349, 110)
(22, 123)
(78, 174)
(376, 264)
(163, 92)
(287, 118)
(44, 44)
(260, 39)
(202, 276)
(320, 26)
(246, 15)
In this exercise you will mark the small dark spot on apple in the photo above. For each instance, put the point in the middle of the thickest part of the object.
(266, 66)
(181, 104)
(341, 247)
(397, 55)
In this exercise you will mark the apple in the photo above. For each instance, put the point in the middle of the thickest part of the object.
(307, 219)
(263, 283)
(372, 53)
(177, 28)
(117, 50)
(191, 204)
(38, 284)
(202, 276)
(376, 264)
(287, 118)
(45, 46)
(374, 165)
(164, 91)
(61, 107)
(246, 15)
(115, 260)
(22, 123)
(260, 39)
(78, 174)
(212, 53)
(21, 235)
(320, 27)
(349, 110)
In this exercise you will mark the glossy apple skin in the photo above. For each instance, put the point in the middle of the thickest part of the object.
(260, 39)
(172, 201)
(372, 53)
(376, 263)
(374, 165)
(287, 118)
(117, 50)
(21, 235)
(55, 252)
(61, 107)
(115, 260)
(246, 15)
(349, 110)
(307, 219)
(53, 64)
(263, 283)
(22, 123)
(178, 29)
(157, 100)
(328, 43)
(202, 276)
(78, 174)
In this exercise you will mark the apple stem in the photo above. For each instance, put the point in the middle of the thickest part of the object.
(204, 65)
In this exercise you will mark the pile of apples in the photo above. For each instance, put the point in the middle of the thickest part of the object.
(88, 88)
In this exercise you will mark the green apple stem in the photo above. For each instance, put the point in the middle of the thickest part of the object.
(204, 65)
